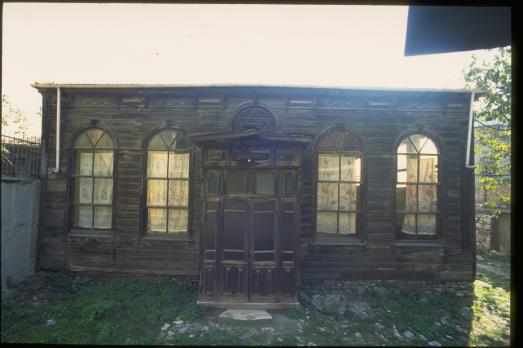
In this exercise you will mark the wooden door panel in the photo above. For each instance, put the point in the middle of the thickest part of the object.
(210, 232)
(234, 256)
(288, 281)
(263, 279)
(264, 283)
(288, 235)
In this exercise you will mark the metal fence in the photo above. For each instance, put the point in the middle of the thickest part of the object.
(20, 156)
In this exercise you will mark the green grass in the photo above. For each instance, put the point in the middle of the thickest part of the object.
(118, 312)
(132, 312)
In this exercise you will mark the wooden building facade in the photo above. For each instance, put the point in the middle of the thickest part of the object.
(252, 189)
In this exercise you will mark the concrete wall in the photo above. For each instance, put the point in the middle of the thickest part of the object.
(20, 202)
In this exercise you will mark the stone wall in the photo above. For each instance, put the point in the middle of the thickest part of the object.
(460, 288)
(493, 233)
(20, 203)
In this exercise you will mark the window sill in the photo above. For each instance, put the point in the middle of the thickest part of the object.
(167, 239)
(83, 234)
(419, 243)
(339, 242)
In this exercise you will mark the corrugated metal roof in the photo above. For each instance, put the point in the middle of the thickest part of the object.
(43, 85)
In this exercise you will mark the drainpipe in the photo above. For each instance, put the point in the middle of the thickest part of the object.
(469, 133)
(58, 107)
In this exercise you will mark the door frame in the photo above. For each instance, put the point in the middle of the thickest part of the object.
(250, 199)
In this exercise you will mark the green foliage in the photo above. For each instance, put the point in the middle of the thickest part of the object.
(119, 312)
(13, 118)
(492, 139)
(295, 313)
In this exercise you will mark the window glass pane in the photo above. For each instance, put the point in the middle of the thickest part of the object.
(103, 191)
(407, 147)
(286, 183)
(326, 222)
(348, 197)
(289, 183)
(178, 220)
(156, 192)
(84, 190)
(94, 134)
(407, 223)
(157, 164)
(103, 163)
(427, 224)
(157, 220)
(347, 223)
(265, 183)
(406, 197)
(157, 143)
(83, 141)
(105, 142)
(178, 192)
(83, 216)
(428, 168)
(350, 168)
(102, 217)
(235, 182)
(328, 167)
(418, 141)
(327, 196)
(412, 168)
(429, 148)
(212, 182)
(178, 165)
(427, 198)
(168, 137)
(402, 168)
(84, 163)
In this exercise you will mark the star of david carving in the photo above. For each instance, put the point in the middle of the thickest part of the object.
(254, 117)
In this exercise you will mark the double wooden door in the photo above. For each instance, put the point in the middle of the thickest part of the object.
(249, 245)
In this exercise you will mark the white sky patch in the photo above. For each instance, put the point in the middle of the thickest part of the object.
(334, 46)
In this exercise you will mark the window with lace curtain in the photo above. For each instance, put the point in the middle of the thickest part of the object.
(167, 201)
(93, 180)
(338, 193)
(417, 188)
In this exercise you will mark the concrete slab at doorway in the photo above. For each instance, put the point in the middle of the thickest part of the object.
(246, 315)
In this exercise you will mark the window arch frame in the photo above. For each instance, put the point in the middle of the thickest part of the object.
(144, 214)
(441, 188)
(71, 181)
(361, 215)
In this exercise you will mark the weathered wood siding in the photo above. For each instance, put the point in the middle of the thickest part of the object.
(379, 118)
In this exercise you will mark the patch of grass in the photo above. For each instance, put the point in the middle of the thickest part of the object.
(494, 257)
(119, 312)
(296, 313)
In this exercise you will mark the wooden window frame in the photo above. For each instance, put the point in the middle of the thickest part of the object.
(355, 238)
(402, 237)
(73, 177)
(146, 234)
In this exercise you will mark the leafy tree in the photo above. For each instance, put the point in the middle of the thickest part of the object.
(492, 74)
(13, 118)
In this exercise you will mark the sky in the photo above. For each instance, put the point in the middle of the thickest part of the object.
(309, 45)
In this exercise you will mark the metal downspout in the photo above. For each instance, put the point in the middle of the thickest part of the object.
(58, 107)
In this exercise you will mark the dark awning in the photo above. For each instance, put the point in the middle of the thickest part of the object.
(440, 29)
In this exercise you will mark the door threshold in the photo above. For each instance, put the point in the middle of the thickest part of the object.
(248, 305)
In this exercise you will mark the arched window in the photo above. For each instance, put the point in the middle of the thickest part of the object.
(417, 188)
(93, 180)
(338, 194)
(167, 184)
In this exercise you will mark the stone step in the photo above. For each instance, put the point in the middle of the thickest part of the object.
(246, 315)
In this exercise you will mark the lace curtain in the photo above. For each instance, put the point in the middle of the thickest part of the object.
(93, 180)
